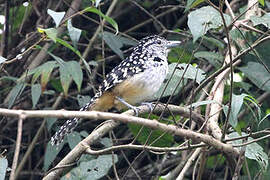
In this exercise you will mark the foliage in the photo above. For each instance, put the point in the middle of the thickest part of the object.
(55, 60)
(93, 169)
(252, 151)
(204, 19)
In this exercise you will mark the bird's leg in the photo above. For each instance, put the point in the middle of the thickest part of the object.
(134, 108)
(150, 105)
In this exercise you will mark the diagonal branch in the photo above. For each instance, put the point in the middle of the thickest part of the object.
(111, 124)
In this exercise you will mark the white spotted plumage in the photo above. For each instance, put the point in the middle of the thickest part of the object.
(146, 68)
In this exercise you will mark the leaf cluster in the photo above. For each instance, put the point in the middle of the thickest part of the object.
(63, 61)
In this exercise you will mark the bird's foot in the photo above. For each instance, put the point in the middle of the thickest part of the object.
(150, 105)
(134, 108)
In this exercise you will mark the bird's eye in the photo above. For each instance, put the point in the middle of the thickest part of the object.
(159, 41)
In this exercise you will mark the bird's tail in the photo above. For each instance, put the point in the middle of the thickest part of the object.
(69, 125)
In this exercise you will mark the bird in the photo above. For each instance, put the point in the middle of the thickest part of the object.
(135, 80)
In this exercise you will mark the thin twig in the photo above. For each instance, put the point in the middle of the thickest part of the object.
(35, 139)
(17, 148)
(252, 141)
(230, 9)
(230, 50)
(189, 163)
(113, 160)
(244, 52)
(26, 51)
(142, 147)
(240, 162)
(150, 20)
(149, 14)
(248, 135)
(90, 44)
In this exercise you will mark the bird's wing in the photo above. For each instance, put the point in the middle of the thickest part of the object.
(127, 68)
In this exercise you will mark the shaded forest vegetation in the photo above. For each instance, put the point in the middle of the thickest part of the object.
(211, 118)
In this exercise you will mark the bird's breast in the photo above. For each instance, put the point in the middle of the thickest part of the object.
(142, 86)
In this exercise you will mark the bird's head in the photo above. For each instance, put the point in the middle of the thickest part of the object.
(156, 45)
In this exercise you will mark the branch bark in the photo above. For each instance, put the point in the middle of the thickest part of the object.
(110, 124)
(17, 149)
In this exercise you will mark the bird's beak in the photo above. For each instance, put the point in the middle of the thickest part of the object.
(172, 44)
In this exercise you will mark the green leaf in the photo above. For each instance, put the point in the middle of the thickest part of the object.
(83, 100)
(38, 70)
(92, 169)
(264, 20)
(253, 151)
(2, 59)
(75, 72)
(51, 154)
(117, 42)
(68, 71)
(108, 19)
(8, 78)
(73, 139)
(35, 92)
(86, 158)
(192, 4)
(214, 58)
(244, 85)
(64, 43)
(183, 53)
(57, 16)
(164, 140)
(65, 79)
(204, 19)
(239, 35)
(18, 13)
(191, 73)
(74, 33)
(125, 40)
(3, 167)
(45, 71)
(107, 142)
(36, 75)
(15, 92)
(208, 55)
(255, 103)
(170, 88)
(59, 60)
(50, 121)
(264, 118)
(113, 43)
(84, 134)
(56, 84)
(215, 42)
(261, 2)
(257, 74)
(236, 104)
(50, 32)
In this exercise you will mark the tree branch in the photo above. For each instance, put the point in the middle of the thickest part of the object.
(17, 148)
(110, 124)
